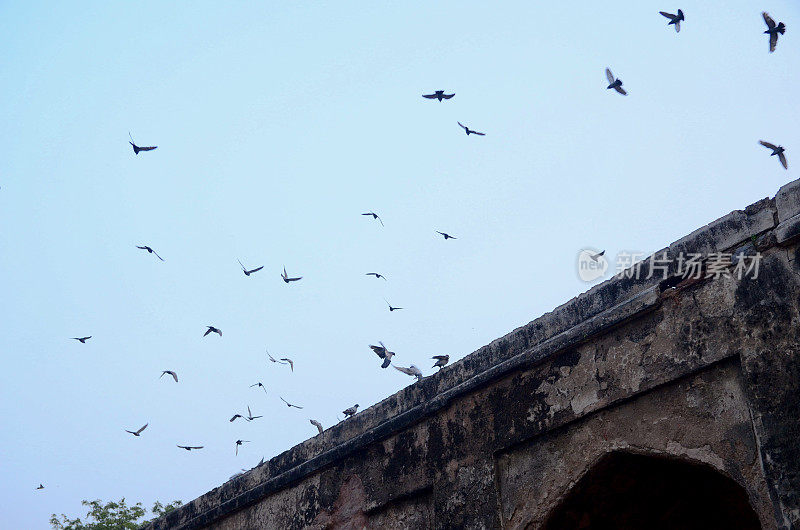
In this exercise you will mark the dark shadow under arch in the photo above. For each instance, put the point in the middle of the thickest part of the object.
(627, 491)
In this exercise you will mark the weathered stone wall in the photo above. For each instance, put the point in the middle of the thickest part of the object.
(701, 371)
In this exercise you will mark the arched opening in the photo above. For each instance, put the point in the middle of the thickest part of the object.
(626, 491)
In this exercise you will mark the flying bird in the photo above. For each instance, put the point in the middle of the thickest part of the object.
(439, 94)
(212, 329)
(289, 404)
(351, 411)
(316, 424)
(137, 433)
(773, 30)
(674, 19)
(374, 216)
(136, 148)
(41, 486)
(286, 278)
(411, 370)
(170, 372)
(595, 257)
(383, 352)
(470, 131)
(615, 83)
(288, 360)
(776, 150)
(446, 236)
(250, 416)
(82, 340)
(441, 360)
(273, 359)
(261, 385)
(237, 416)
(376, 275)
(238, 443)
(251, 271)
(190, 447)
(391, 308)
(151, 251)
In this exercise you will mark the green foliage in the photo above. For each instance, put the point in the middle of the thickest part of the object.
(111, 516)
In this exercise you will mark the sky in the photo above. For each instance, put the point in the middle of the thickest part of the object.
(277, 125)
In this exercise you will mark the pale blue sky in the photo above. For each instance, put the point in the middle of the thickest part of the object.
(277, 124)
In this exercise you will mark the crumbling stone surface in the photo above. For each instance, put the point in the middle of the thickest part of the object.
(702, 371)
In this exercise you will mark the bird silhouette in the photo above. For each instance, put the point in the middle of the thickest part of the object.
(286, 278)
(170, 372)
(383, 352)
(595, 257)
(82, 340)
(136, 148)
(615, 83)
(411, 370)
(289, 404)
(445, 236)
(350, 411)
(273, 359)
(212, 329)
(374, 216)
(674, 19)
(137, 433)
(376, 275)
(773, 30)
(190, 447)
(391, 308)
(470, 131)
(288, 360)
(776, 150)
(441, 361)
(316, 424)
(236, 416)
(238, 443)
(439, 94)
(251, 271)
(261, 385)
(151, 251)
(250, 416)
(40, 487)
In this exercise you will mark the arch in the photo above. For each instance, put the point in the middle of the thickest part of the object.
(627, 491)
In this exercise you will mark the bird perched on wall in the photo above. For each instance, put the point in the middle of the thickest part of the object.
(136, 148)
(316, 424)
(375, 216)
(350, 411)
(411, 370)
(391, 307)
(286, 278)
(82, 340)
(170, 372)
(190, 447)
(250, 416)
(674, 19)
(261, 385)
(773, 30)
(376, 275)
(615, 83)
(251, 271)
(289, 404)
(439, 94)
(383, 352)
(150, 250)
(137, 433)
(776, 150)
(470, 131)
(441, 361)
(212, 329)
(240, 442)
(445, 236)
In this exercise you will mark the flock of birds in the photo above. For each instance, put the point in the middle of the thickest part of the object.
(386, 355)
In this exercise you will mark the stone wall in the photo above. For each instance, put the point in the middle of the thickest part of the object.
(705, 372)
